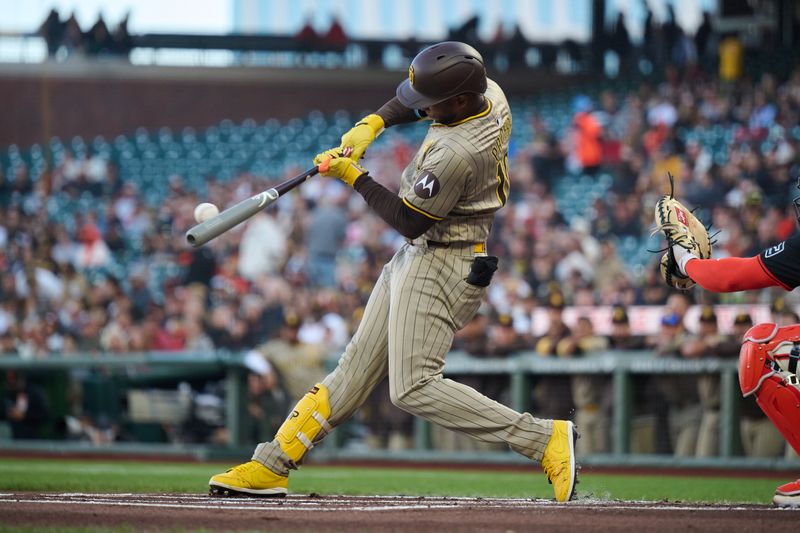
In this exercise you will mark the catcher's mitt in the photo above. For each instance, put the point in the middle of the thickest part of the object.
(684, 230)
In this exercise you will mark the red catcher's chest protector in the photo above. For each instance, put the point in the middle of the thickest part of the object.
(768, 369)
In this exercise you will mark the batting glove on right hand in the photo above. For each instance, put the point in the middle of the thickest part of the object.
(360, 136)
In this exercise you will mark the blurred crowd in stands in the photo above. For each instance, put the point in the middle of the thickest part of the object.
(65, 38)
(295, 278)
(611, 48)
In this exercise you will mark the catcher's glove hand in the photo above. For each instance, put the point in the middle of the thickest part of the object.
(687, 238)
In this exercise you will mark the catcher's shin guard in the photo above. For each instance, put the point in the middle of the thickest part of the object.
(768, 369)
(310, 416)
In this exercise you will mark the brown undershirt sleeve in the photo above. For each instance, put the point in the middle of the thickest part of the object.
(394, 113)
(391, 208)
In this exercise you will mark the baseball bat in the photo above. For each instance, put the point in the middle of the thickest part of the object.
(214, 227)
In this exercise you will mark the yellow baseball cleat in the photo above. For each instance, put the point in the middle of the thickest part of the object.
(558, 461)
(249, 479)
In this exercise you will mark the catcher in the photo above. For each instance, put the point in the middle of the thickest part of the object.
(768, 361)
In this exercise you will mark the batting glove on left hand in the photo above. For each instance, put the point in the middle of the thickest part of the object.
(331, 163)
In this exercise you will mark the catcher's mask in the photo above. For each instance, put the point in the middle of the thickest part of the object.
(796, 202)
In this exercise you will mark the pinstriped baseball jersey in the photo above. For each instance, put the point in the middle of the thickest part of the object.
(459, 176)
(422, 297)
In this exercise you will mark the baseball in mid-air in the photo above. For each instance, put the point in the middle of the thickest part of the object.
(205, 211)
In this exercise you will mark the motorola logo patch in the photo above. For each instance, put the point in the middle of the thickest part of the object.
(427, 185)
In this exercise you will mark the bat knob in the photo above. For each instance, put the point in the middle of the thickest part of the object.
(326, 162)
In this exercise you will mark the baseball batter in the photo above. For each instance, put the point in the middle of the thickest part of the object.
(768, 361)
(431, 287)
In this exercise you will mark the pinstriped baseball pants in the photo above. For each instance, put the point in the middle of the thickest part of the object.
(419, 301)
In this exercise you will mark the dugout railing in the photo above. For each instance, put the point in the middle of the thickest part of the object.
(623, 368)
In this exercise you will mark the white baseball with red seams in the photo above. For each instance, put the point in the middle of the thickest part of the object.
(205, 211)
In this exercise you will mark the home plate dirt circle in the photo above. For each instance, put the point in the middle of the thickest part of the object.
(154, 512)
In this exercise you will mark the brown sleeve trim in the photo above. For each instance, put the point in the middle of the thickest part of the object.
(391, 209)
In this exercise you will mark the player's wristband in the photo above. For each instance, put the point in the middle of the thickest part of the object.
(683, 260)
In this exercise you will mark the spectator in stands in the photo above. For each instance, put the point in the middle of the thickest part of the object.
(621, 337)
(196, 338)
(590, 393)
(496, 49)
(116, 335)
(620, 42)
(200, 267)
(73, 36)
(335, 40)
(708, 342)
(92, 250)
(51, 31)
(517, 49)
(547, 155)
(703, 35)
(265, 404)
(263, 247)
(98, 40)
(293, 363)
(503, 339)
(170, 335)
(307, 40)
(787, 317)
(121, 38)
(646, 401)
(586, 150)
(651, 37)
(731, 58)
(608, 266)
(553, 395)
(672, 33)
(25, 407)
(679, 393)
(8, 343)
(778, 309)
(323, 240)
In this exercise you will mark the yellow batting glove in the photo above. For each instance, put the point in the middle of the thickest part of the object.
(355, 141)
(331, 164)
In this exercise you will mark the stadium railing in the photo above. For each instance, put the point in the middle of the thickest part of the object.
(623, 368)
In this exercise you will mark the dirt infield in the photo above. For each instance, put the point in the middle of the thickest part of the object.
(163, 512)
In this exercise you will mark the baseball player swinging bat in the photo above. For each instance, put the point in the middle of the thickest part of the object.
(214, 227)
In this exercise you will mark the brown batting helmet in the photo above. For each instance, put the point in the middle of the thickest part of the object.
(442, 71)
